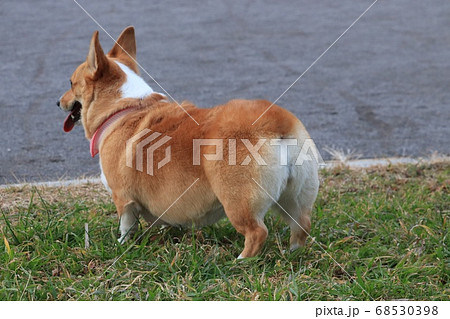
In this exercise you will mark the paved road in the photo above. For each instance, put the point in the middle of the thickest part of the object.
(382, 90)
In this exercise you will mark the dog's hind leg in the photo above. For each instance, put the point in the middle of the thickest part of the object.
(249, 225)
(247, 191)
(245, 207)
(296, 207)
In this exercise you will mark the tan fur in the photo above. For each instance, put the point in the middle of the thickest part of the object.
(221, 188)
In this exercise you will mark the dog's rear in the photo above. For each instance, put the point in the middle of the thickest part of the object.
(280, 179)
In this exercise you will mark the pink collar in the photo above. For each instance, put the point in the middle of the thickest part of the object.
(97, 137)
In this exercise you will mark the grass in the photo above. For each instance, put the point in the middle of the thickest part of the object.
(387, 227)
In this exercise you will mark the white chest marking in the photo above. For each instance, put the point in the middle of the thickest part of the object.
(134, 86)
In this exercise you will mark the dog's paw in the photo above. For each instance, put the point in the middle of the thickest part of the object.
(294, 246)
(122, 239)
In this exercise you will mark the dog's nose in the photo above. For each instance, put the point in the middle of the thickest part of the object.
(57, 103)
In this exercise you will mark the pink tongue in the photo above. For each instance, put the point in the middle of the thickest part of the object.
(68, 123)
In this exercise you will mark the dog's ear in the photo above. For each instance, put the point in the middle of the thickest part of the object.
(125, 45)
(96, 59)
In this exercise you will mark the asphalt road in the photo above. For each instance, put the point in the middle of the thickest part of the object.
(382, 90)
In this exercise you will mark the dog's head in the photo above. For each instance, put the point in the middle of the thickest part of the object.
(95, 85)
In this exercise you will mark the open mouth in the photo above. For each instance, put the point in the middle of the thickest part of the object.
(73, 117)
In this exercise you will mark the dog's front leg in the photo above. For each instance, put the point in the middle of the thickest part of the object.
(129, 218)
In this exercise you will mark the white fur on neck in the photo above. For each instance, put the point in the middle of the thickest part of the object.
(134, 87)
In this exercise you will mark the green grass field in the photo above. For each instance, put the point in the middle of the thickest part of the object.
(387, 227)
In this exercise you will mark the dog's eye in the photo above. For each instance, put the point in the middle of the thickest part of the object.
(71, 84)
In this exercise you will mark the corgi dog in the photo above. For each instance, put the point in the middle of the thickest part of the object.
(209, 163)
